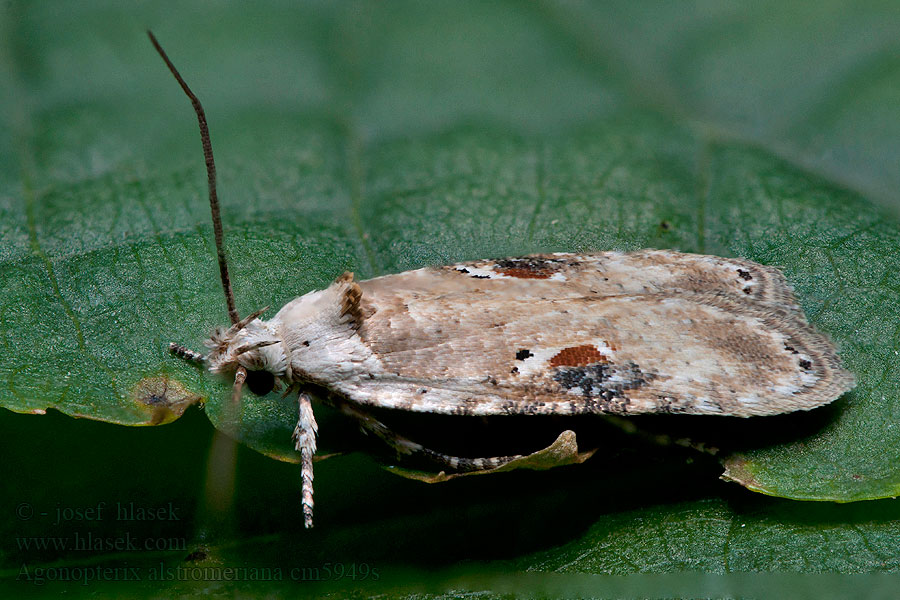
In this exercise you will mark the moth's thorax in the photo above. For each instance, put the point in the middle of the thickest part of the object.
(319, 334)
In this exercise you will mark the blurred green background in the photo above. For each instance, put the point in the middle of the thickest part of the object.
(379, 137)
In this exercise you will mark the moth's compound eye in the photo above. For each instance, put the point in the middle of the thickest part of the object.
(260, 382)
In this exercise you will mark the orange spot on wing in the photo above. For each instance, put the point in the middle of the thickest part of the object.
(577, 356)
(527, 273)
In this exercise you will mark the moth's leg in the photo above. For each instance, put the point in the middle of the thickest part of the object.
(305, 443)
(186, 353)
(627, 425)
(407, 447)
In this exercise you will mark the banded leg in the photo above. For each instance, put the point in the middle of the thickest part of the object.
(186, 353)
(305, 443)
(407, 447)
(628, 426)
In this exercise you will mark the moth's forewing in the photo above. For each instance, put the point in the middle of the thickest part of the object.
(646, 332)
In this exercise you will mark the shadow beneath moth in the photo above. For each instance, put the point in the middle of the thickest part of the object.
(608, 333)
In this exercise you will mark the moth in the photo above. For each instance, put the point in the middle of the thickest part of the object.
(653, 331)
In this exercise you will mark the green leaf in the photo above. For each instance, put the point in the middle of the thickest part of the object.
(378, 138)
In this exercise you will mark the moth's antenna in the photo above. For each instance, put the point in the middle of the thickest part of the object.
(211, 176)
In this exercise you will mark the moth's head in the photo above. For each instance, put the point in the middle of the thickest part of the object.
(251, 343)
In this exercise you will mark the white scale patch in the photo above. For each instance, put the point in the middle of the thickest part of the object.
(538, 363)
(478, 272)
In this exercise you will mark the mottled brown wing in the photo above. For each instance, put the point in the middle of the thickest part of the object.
(568, 275)
(458, 348)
